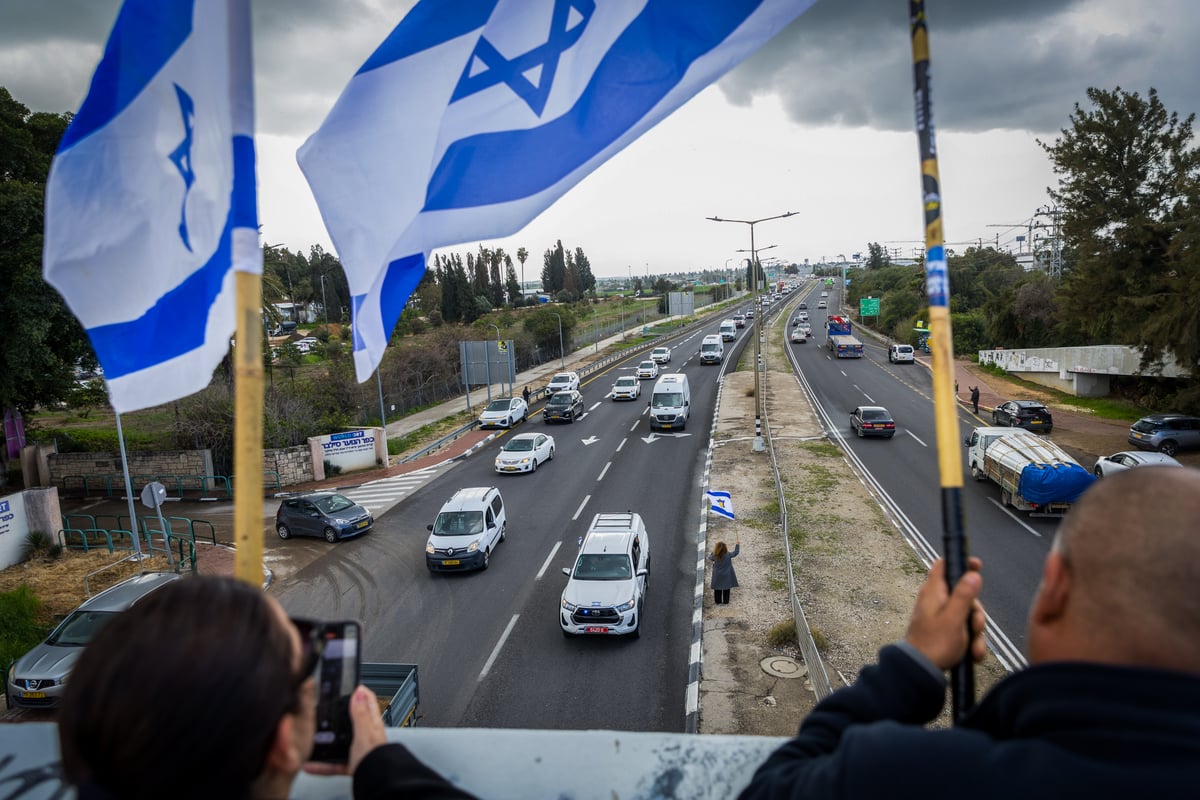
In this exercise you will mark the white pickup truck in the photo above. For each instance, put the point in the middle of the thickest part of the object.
(1034, 473)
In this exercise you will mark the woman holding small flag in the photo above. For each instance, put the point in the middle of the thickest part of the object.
(723, 576)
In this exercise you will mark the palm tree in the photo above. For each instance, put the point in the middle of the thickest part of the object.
(522, 254)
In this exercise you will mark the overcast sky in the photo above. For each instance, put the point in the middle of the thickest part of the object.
(820, 121)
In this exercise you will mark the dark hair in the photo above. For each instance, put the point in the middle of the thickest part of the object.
(180, 695)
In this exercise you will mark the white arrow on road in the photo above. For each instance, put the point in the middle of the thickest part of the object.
(655, 437)
(649, 439)
(589, 440)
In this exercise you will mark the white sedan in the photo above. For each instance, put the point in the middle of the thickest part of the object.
(504, 413)
(563, 381)
(1119, 462)
(660, 355)
(646, 369)
(524, 451)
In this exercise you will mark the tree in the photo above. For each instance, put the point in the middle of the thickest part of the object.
(877, 256)
(587, 281)
(554, 269)
(522, 254)
(43, 341)
(1127, 191)
(512, 285)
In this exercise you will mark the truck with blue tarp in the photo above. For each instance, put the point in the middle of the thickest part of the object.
(1034, 473)
(839, 337)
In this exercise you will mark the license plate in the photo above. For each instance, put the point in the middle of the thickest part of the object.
(666, 427)
(595, 629)
(1035, 422)
(33, 695)
(362, 524)
(1137, 435)
(509, 469)
(451, 562)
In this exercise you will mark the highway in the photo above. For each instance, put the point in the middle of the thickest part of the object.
(488, 644)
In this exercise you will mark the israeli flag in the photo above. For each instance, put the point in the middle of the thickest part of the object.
(473, 117)
(720, 503)
(150, 203)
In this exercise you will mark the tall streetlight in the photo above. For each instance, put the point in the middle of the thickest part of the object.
(562, 359)
(759, 446)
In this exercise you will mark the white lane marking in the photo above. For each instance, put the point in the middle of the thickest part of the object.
(579, 510)
(622, 444)
(856, 386)
(844, 375)
(1015, 518)
(549, 558)
(635, 424)
(597, 405)
(496, 651)
(910, 433)
(604, 471)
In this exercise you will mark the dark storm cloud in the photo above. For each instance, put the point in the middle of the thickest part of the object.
(1019, 65)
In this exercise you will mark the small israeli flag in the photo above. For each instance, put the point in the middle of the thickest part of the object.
(472, 117)
(720, 503)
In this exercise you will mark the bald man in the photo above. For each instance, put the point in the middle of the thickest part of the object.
(1109, 706)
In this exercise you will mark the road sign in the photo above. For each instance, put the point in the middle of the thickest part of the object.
(502, 345)
(868, 307)
(153, 494)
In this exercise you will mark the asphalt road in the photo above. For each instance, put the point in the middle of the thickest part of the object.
(488, 644)
(904, 469)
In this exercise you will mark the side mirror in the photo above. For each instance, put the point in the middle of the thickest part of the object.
(649, 402)
(567, 571)
(687, 402)
(967, 442)
(429, 527)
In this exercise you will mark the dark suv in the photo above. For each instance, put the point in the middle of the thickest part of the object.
(1166, 433)
(566, 405)
(1028, 414)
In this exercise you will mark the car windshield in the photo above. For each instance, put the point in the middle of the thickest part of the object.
(79, 628)
(518, 445)
(626, 382)
(458, 523)
(647, 365)
(497, 405)
(709, 346)
(562, 377)
(333, 504)
(603, 567)
(668, 399)
(560, 399)
(874, 413)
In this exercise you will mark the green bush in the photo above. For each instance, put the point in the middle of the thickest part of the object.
(19, 630)
(782, 634)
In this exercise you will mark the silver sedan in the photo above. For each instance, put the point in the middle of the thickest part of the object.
(1127, 459)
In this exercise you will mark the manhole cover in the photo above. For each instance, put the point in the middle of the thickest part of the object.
(783, 667)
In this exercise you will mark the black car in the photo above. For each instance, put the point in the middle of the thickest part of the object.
(563, 406)
(872, 421)
(326, 514)
(1028, 414)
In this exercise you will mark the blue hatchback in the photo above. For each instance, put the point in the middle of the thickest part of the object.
(326, 514)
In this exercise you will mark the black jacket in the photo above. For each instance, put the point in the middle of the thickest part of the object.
(1059, 730)
(392, 771)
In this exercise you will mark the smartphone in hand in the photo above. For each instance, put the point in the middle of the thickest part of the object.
(338, 674)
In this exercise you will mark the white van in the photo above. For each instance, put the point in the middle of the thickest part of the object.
(670, 402)
(466, 531)
(728, 330)
(712, 351)
(900, 354)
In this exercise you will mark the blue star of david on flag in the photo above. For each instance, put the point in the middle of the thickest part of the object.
(472, 117)
(720, 503)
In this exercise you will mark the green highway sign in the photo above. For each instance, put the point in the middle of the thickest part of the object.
(868, 307)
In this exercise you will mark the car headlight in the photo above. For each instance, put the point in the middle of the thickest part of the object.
(340, 521)
(525, 460)
(472, 547)
(630, 603)
(568, 605)
(429, 548)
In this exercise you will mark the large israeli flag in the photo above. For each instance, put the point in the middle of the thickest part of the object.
(474, 116)
(150, 203)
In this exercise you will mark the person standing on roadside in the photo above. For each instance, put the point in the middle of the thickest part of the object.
(723, 576)
(975, 399)
(525, 393)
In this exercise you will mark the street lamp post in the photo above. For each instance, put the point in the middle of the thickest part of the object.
(759, 445)
(324, 307)
(562, 358)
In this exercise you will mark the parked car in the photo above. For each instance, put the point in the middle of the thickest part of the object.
(504, 412)
(872, 421)
(660, 355)
(470, 525)
(1166, 433)
(561, 406)
(1028, 414)
(563, 380)
(327, 514)
(646, 369)
(627, 387)
(37, 679)
(900, 354)
(1127, 459)
(524, 451)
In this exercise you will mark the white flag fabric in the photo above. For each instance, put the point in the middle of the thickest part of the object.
(472, 117)
(720, 503)
(151, 200)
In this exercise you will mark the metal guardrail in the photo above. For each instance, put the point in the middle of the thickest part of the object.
(808, 648)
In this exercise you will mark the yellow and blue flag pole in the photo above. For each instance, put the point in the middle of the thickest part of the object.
(937, 289)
